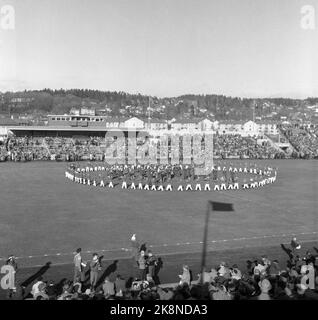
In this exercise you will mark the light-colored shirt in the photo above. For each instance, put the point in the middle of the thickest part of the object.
(35, 288)
(78, 261)
(259, 269)
(109, 288)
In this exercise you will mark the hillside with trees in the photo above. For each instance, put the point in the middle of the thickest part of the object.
(47, 101)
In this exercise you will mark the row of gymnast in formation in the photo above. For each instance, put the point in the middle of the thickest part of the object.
(172, 177)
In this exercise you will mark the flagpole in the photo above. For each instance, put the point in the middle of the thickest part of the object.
(205, 240)
(148, 112)
(212, 151)
(253, 110)
(212, 206)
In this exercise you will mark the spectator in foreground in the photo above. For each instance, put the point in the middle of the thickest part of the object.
(108, 288)
(79, 266)
(151, 263)
(51, 290)
(185, 277)
(120, 286)
(142, 265)
(41, 294)
(221, 293)
(36, 287)
(265, 287)
(135, 248)
(95, 267)
(208, 277)
(13, 263)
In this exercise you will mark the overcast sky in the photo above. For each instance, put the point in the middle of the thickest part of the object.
(162, 47)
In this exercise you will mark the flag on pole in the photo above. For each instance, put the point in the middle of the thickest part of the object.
(221, 206)
(214, 206)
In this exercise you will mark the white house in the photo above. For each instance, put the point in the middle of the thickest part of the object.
(87, 111)
(184, 126)
(230, 127)
(156, 125)
(251, 128)
(134, 123)
(269, 128)
(5, 124)
(75, 111)
(206, 125)
(3, 132)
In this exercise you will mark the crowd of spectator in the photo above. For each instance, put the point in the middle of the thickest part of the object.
(48, 148)
(303, 138)
(94, 148)
(262, 279)
(237, 146)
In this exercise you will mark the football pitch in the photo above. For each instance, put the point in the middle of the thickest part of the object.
(44, 215)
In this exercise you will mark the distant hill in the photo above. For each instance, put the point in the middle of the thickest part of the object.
(42, 102)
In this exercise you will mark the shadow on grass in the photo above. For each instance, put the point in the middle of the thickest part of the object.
(38, 274)
(287, 250)
(158, 267)
(109, 270)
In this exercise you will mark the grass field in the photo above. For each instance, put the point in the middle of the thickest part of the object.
(45, 215)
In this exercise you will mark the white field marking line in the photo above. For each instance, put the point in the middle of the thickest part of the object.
(240, 239)
(165, 254)
(175, 244)
(65, 254)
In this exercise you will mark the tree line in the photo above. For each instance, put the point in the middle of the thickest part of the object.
(61, 101)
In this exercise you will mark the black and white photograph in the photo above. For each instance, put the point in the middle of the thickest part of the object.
(158, 153)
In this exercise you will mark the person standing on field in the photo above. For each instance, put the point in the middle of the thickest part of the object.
(95, 267)
(79, 266)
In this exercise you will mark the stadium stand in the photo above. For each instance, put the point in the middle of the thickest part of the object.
(303, 139)
(93, 148)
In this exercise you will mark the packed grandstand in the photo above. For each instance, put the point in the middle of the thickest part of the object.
(93, 148)
(302, 142)
(303, 139)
